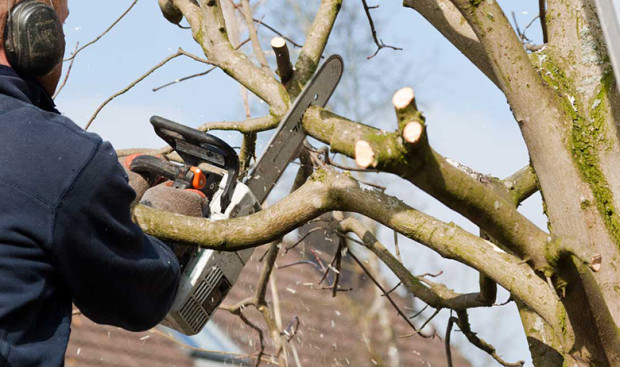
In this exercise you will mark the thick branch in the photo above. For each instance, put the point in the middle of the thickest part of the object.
(450, 23)
(522, 184)
(283, 59)
(545, 122)
(328, 191)
(209, 30)
(482, 200)
(436, 295)
(315, 42)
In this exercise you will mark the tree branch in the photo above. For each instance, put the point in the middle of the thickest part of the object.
(522, 184)
(542, 6)
(483, 200)
(435, 295)
(77, 51)
(252, 125)
(283, 59)
(209, 30)
(400, 313)
(378, 42)
(314, 45)
(180, 52)
(328, 191)
(463, 323)
(258, 50)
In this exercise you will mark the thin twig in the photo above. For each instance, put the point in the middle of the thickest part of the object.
(378, 42)
(64, 82)
(185, 78)
(293, 326)
(463, 323)
(352, 239)
(260, 22)
(180, 52)
(419, 312)
(338, 260)
(261, 337)
(176, 81)
(505, 302)
(332, 289)
(521, 34)
(514, 19)
(104, 32)
(396, 247)
(530, 23)
(258, 50)
(302, 262)
(326, 271)
(400, 313)
(451, 322)
(432, 275)
(423, 325)
(393, 289)
(287, 249)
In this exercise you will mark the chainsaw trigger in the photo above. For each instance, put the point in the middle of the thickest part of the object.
(199, 180)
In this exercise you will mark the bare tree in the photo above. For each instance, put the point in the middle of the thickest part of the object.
(564, 98)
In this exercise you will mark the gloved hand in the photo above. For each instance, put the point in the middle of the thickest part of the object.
(187, 202)
(138, 182)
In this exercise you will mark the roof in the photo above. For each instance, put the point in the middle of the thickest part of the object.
(356, 328)
(93, 345)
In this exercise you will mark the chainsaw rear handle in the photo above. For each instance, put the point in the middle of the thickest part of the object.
(148, 165)
(196, 147)
(163, 127)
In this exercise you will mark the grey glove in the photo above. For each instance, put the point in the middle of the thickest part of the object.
(186, 202)
(164, 197)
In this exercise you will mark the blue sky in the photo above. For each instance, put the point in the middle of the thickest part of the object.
(468, 117)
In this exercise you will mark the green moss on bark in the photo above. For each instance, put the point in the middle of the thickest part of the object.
(588, 137)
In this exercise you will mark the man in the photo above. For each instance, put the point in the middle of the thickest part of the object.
(66, 233)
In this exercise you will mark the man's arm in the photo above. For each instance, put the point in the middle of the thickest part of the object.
(115, 273)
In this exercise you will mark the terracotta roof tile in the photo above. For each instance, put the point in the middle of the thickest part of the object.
(98, 345)
(341, 331)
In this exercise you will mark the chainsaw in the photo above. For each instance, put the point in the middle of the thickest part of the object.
(211, 166)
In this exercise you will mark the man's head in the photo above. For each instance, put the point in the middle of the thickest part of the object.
(50, 80)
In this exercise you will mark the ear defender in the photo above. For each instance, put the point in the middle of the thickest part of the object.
(33, 38)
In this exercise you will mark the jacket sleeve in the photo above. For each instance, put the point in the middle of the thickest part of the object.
(115, 273)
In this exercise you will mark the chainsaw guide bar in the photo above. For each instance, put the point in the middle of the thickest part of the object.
(290, 134)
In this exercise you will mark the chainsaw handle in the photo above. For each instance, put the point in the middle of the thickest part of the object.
(200, 147)
(192, 135)
(149, 165)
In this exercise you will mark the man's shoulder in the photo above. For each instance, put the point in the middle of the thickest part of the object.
(44, 144)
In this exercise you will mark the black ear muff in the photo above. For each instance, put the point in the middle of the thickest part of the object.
(33, 38)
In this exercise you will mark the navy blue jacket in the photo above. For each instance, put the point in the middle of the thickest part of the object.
(66, 233)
